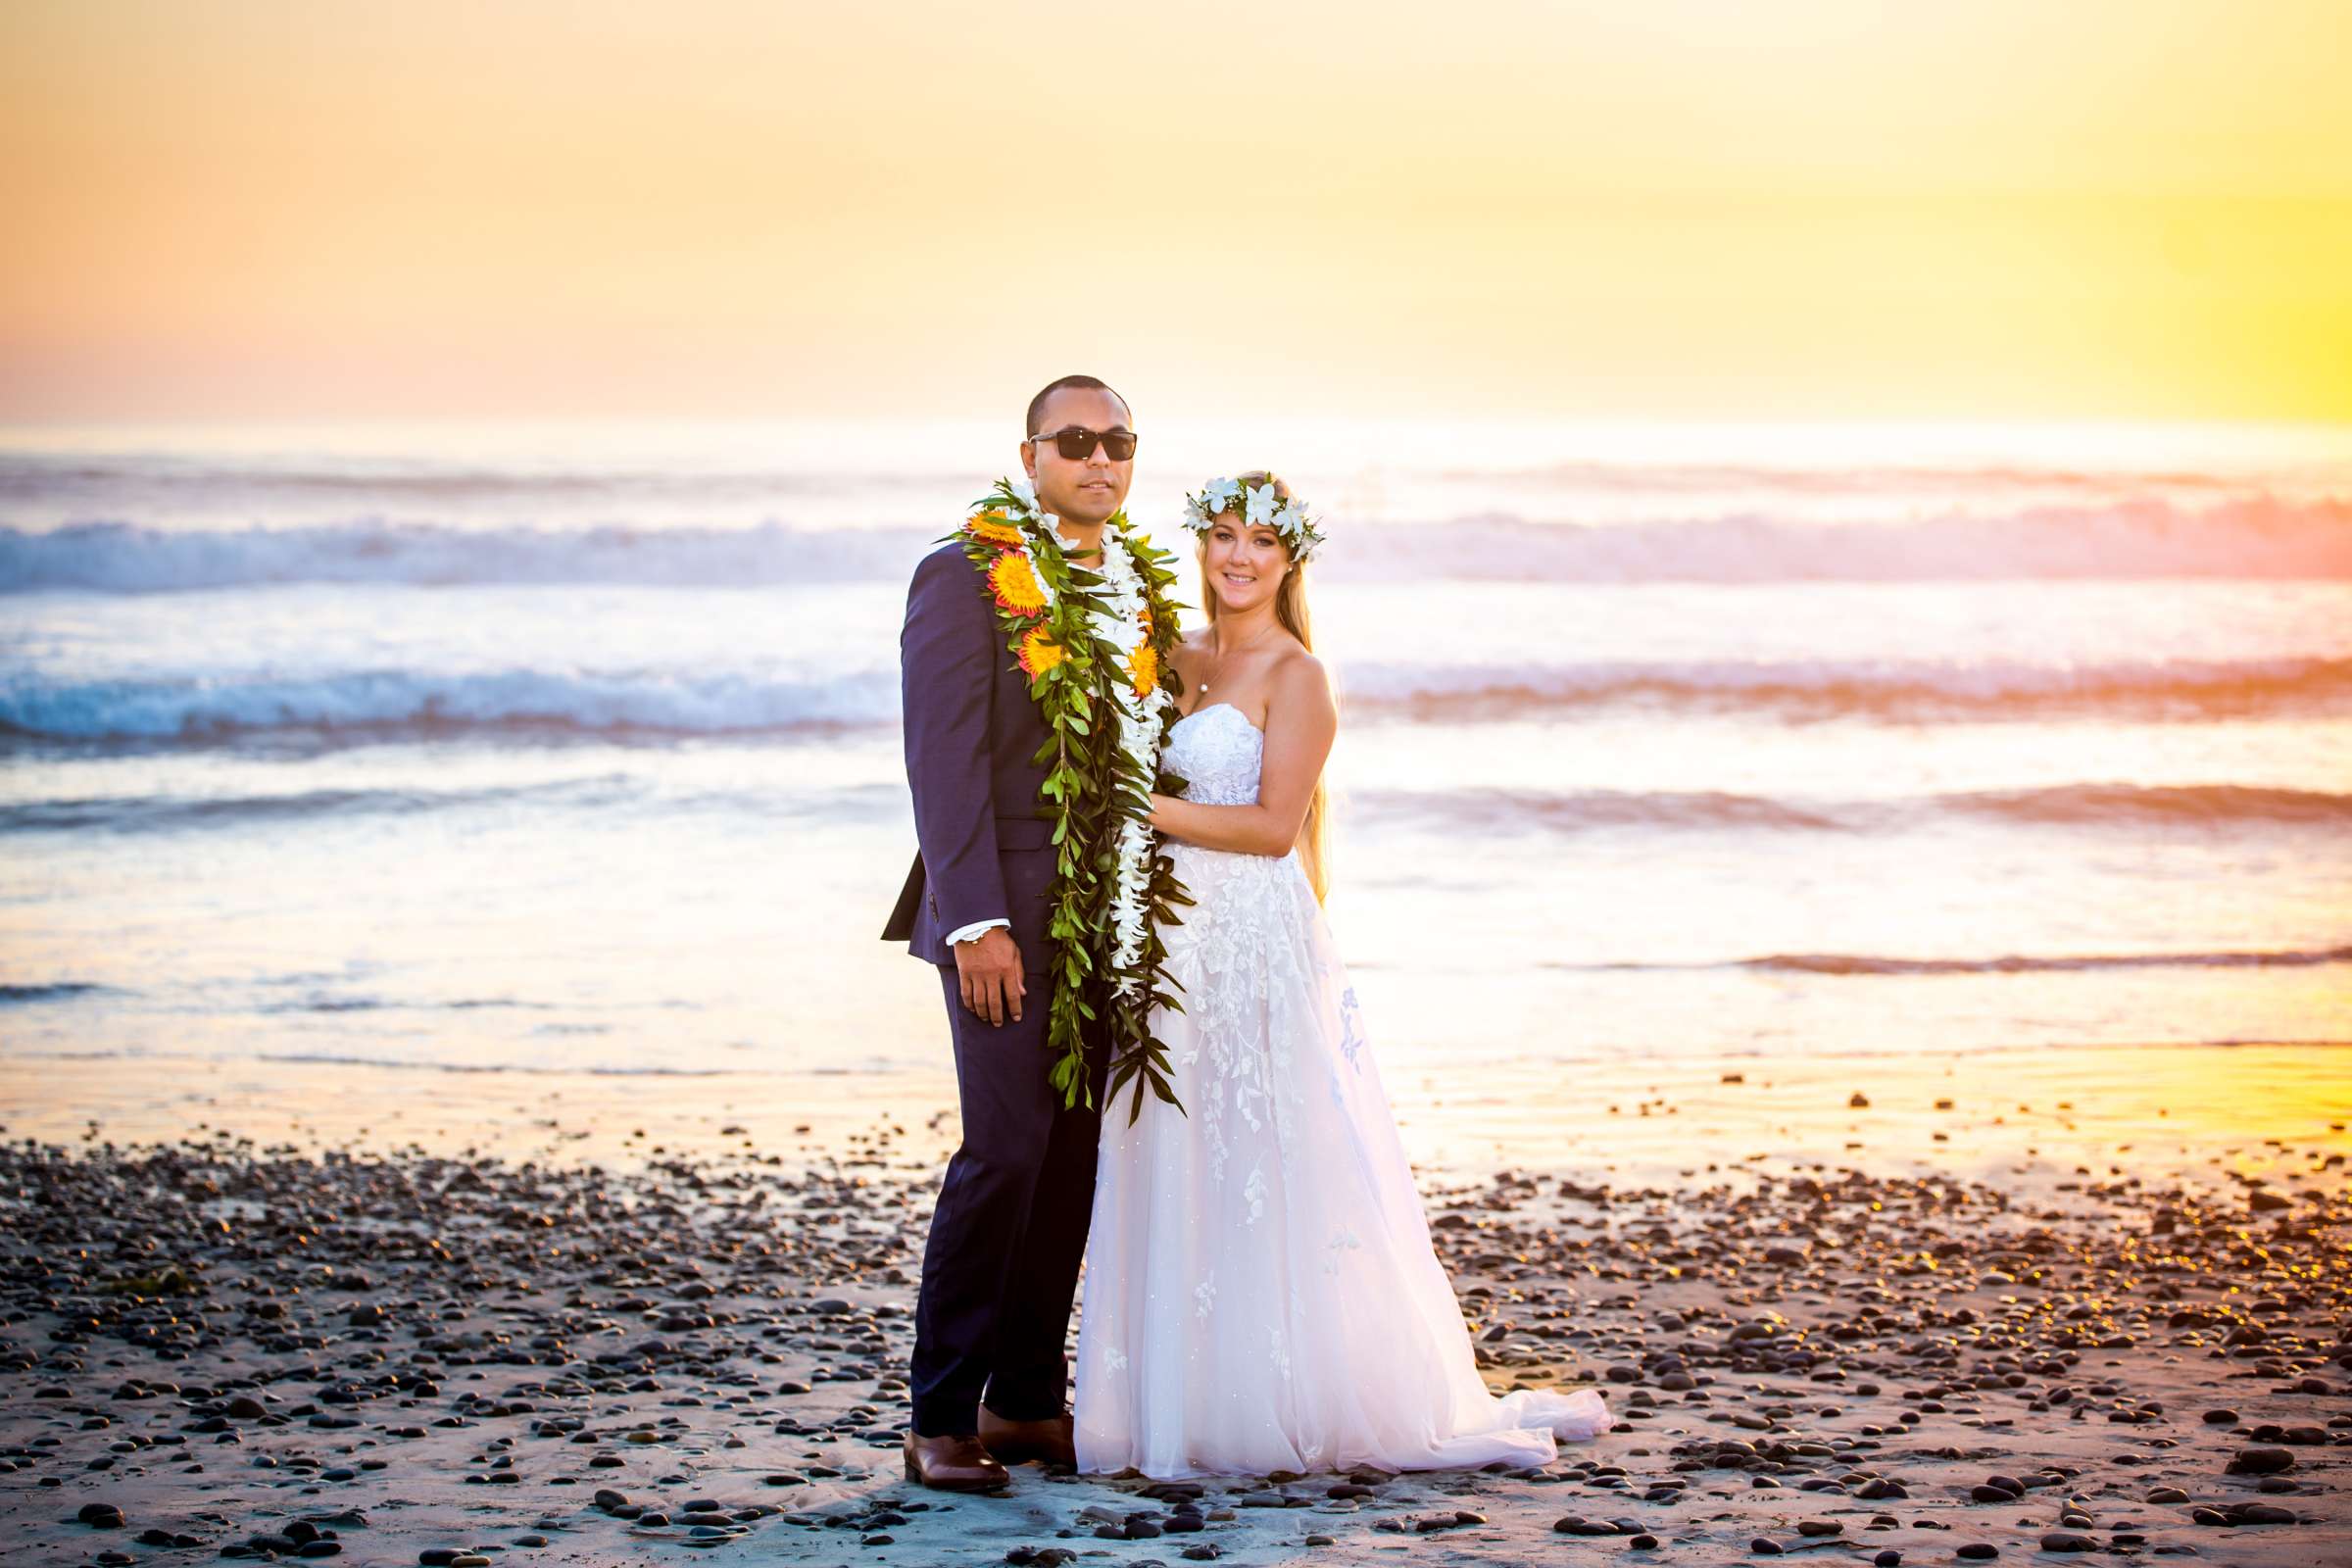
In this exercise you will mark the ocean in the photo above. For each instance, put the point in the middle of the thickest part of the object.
(564, 750)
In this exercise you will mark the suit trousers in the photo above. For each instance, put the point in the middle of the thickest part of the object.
(1001, 1263)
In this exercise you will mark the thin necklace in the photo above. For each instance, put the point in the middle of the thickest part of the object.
(1218, 662)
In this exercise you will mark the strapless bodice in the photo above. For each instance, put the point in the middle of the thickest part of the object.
(1217, 752)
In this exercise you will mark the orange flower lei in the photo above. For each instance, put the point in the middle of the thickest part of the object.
(1105, 916)
(1015, 584)
(995, 530)
(1039, 652)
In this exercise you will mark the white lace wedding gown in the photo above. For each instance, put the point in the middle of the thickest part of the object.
(1260, 1293)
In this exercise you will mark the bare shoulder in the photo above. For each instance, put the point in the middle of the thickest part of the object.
(1298, 676)
(1294, 665)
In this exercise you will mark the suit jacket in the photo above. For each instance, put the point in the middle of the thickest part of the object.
(972, 733)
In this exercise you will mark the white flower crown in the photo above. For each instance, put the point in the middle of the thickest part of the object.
(1260, 508)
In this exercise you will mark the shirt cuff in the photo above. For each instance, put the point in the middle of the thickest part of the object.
(972, 933)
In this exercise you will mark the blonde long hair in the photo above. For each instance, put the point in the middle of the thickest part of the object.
(1290, 609)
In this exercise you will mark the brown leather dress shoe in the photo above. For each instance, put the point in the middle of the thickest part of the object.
(1050, 1440)
(955, 1463)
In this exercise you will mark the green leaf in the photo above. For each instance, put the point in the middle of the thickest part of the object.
(1090, 786)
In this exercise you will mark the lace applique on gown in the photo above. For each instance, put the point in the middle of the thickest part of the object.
(1261, 1292)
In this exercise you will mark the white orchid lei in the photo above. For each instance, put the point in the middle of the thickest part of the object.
(1259, 507)
(1087, 639)
(1122, 618)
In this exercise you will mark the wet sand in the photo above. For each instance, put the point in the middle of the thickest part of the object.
(2107, 1311)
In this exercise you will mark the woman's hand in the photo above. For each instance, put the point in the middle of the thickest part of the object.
(1157, 816)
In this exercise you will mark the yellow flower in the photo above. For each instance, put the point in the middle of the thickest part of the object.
(1144, 665)
(1015, 585)
(1039, 653)
(993, 529)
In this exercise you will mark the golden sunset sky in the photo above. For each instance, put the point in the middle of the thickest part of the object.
(2009, 209)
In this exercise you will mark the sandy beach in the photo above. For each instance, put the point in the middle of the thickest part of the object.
(1879, 1021)
(2066, 1311)
(1827, 532)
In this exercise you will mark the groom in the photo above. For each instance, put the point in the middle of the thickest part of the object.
(1001, 1262)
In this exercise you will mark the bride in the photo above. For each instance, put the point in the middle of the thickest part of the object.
(1261, 1293)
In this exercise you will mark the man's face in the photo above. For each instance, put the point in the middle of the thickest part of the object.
(1088, 489)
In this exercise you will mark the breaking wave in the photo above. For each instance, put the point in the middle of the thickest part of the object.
(2260, 536)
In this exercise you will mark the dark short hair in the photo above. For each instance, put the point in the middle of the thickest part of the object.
(1082, 383)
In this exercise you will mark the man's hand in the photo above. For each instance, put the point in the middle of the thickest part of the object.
(988, 971)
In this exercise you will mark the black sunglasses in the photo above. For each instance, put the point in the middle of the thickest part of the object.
(1078, 444)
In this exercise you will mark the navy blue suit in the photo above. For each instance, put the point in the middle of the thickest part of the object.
(1001, 1265)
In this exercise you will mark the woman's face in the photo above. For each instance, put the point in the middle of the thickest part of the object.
(1244, 562)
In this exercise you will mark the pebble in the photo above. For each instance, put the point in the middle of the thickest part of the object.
(2261, 1461)
(2233, 1514)
(1870, 1350)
